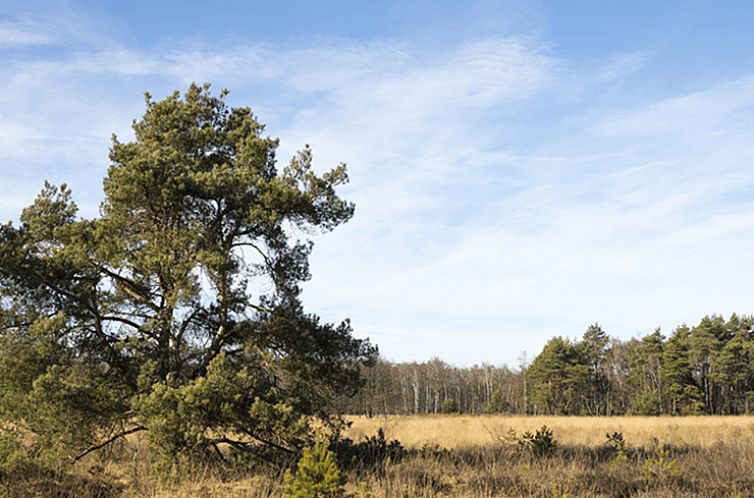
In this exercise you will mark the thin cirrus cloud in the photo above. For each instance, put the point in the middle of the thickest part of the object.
(504, 192)
(608, 222)
(22, 36)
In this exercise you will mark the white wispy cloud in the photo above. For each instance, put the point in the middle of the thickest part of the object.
(15, 35)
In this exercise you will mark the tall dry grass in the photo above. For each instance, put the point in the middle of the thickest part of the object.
(453, 431)
(463, 456)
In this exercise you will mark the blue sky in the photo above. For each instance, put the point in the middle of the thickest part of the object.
(520, 169)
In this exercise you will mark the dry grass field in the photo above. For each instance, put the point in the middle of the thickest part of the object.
(466, 456)
(457, 431)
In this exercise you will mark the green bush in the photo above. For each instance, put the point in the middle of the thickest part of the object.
(373, 451)
(618, 444)
(317, 475)
(661, 465)
(449, 406)
(541, 443)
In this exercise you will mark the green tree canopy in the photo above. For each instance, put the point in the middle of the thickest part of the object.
(177, 311)
(647, 374)
(683, 393)
(593, 348)
(558, 375)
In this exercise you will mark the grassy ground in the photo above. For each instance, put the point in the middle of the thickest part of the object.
(454, 431)
(474, 457)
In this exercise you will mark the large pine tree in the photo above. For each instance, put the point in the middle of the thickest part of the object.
(177, 311)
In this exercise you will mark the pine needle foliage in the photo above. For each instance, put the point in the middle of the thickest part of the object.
(177, 311)
(317, 475)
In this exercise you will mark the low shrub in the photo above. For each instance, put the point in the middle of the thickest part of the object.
(373, 451)
(317, 475)
(541, 443)
(618, 444)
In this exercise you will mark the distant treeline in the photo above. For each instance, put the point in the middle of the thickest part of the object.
(705, 369)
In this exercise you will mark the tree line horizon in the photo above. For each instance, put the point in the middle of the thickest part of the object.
(707, 368)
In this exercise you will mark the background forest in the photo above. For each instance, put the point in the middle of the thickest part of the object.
(704, 369)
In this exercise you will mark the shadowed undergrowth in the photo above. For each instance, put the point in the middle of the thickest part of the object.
(377, 467)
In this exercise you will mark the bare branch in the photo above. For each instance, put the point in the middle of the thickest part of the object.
(111, 440)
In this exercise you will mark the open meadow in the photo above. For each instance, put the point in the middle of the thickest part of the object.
(462, 456)
(459, 431)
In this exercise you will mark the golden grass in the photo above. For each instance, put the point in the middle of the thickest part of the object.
(456, 431)
(695, 456)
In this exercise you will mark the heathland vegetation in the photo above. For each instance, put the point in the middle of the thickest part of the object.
(479, 456)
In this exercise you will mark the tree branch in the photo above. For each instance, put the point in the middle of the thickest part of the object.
(108, 441)
(124, 321)
(128, 286)
(268, 443)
